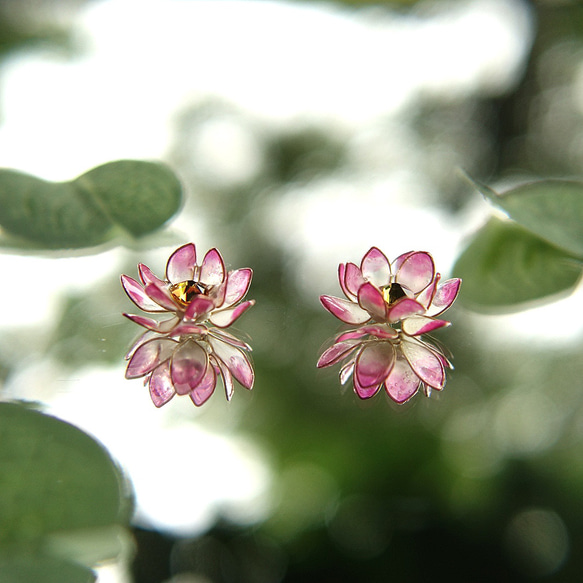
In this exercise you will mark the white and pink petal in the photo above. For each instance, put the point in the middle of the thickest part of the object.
(353, 334)
(351, 279)
(426, 296)
(415, 271)
(160, 326)
(160, 385)
(218, 293)
(224, 318)
(148, 356)
(337, 352)
(344, 310)
(198, 308)
(237, 286)
(147, 335)
(399, 261)
(425, 364)
(147, 276)
(371, 300)
(161, 296)
(402, 383)
(374, 363)
(375, 267)
(341, 280)
(188, 328)
(188, 366)
(445, 295)
(417, 325)
(235, 360)
(404, 308)
(137, 294)
(181, 264)
(212, 269)
(226, 376)
(346, 371)
(364, 392)
(225, 336)
(439, 353)
(384, 332)
(379, 331)
(202, 392)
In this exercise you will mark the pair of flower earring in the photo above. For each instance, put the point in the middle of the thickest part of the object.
(390, 306)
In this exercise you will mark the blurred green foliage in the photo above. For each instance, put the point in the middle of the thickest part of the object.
(62, 499)
(536, 256)
(89, 328)
(25, 24)
(385, 3)
(506, 268)
(550, 209)
(25, 568)
(123, 197)
(442, 489)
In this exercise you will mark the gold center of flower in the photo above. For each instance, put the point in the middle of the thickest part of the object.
(186, 291)
(393, 292)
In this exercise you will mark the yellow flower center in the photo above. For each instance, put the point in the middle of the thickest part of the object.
(186, 291)
(393, 292)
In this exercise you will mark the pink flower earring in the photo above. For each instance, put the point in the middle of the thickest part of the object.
(393, 305)
(186, 353)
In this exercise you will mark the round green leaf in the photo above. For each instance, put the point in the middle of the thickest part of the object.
(551, 209)
(133, 196)
(54, 477)
(49, 214)
(505, 266)
(137, 196)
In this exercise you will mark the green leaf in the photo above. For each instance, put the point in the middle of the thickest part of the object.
(551, 209)
(91, 546)
(505, 266)
(54, 477)
(130, 196)
(34, 568)
(137, 196)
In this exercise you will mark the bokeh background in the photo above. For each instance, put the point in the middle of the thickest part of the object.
(304, 133)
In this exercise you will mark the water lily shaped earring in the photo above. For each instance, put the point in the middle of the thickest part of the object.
(393, 305)
(187, 352)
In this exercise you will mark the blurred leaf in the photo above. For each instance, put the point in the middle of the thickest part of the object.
(389, 3)
(133, 196)
(137, 196)
(506, 265)
(92, 546)
(304, 153)
(91, 328)
(54, 477)
(34, 568)
(551, 209)
(23, 28)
